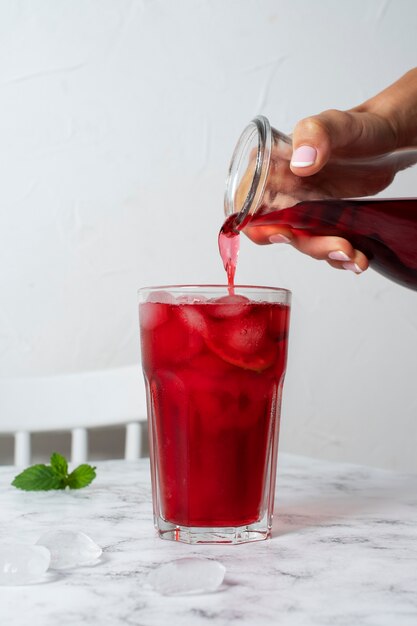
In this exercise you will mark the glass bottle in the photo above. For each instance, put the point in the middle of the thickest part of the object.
(263, 197)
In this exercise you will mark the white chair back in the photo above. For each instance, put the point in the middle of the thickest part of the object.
(73, 402)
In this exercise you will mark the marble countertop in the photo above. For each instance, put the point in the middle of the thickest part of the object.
(343, 553)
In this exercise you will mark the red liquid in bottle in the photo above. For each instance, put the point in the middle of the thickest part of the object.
(384, 230)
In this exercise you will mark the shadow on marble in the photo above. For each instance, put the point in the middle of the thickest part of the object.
(339, 510)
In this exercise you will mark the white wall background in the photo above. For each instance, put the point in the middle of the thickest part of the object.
(117, 122)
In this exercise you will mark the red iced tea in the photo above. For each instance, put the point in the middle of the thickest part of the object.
(214, 369)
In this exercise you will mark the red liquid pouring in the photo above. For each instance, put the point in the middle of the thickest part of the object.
(384, 230)
(229, 243)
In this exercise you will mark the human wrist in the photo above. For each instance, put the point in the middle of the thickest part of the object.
(396, 107)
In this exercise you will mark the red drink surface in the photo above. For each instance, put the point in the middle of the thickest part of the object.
(385, 230)
(214, 371)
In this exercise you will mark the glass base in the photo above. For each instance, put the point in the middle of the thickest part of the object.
(258, 531)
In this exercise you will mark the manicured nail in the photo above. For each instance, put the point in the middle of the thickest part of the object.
(279, 239)
(339, 255)
(303, 156)
(353, 267)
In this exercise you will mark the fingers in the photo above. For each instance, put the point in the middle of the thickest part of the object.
(350, 133)
(338, 252)
(315, 138)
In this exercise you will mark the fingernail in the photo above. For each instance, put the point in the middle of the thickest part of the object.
(279, 239)
(338, 255)
(353, 267)
(303, 156)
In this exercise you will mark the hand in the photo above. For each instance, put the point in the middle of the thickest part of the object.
(378, 126)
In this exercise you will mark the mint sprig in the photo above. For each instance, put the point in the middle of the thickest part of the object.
(38, 478)
(54, 476)
(82, 476)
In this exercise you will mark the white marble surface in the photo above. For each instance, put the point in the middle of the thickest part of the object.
(343, 553)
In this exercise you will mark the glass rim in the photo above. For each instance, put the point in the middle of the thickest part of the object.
(260, 129)
(215, 286)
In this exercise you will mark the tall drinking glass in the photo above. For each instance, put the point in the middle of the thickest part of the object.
(214, 368)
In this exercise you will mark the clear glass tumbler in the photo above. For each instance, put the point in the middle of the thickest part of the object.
(214, 367)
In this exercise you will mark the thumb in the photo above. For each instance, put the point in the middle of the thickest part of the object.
(348, 133)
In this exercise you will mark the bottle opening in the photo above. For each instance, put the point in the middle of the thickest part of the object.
(248, 171)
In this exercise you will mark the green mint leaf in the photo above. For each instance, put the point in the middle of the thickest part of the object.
(38, 478)
(82, 476)
(54, 476)
(59, 465)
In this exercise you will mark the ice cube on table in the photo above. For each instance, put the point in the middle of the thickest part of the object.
(191, 575)
(69, 548)
(23, 564)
